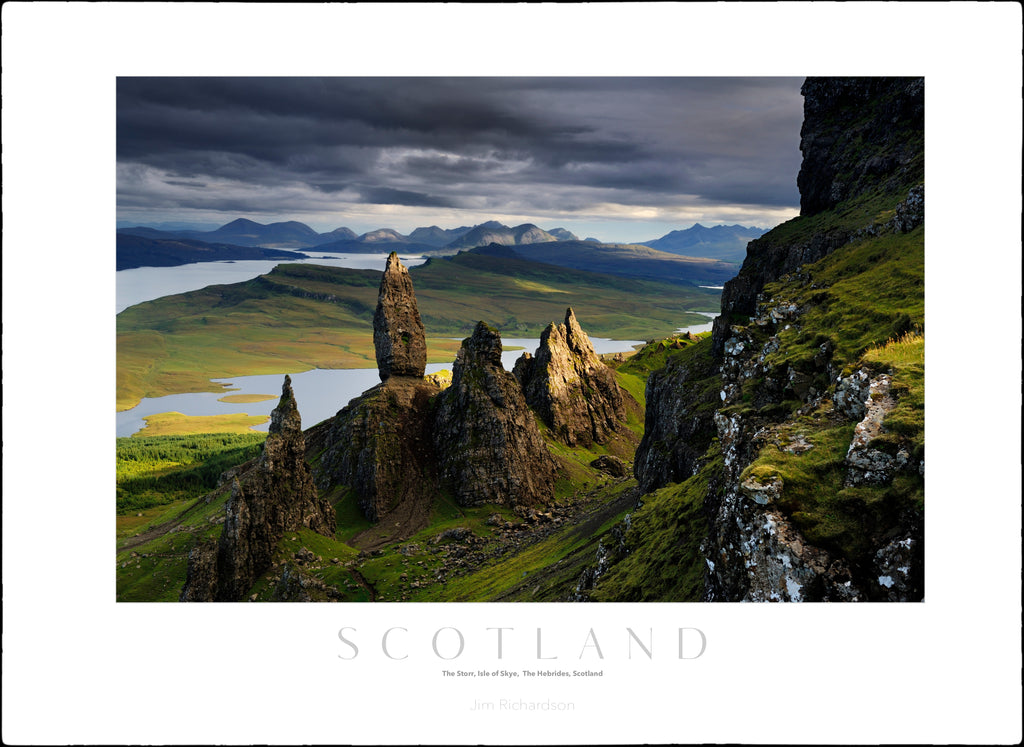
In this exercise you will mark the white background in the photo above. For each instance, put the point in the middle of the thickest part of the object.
(79, 668)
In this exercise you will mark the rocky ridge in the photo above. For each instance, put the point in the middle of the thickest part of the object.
(472, 435)
(755, 550)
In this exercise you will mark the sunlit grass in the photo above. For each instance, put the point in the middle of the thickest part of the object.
(174, 423)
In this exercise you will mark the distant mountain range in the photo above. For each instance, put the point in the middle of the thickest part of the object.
(726, 243)
(722, 243)
(493, 232)
(296, 235)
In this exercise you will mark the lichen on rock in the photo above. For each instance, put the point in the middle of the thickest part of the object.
(867, 465)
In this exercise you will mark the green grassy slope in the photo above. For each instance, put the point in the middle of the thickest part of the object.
(629, 260)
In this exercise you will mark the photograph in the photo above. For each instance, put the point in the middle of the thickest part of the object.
(510, 391)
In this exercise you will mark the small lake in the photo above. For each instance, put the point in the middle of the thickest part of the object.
(146, 283)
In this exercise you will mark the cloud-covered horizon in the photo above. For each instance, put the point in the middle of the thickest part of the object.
(625, 154)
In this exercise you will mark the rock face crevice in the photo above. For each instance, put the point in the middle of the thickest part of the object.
(275, 495)
(487, 441)
(398, 334)
(572, 391)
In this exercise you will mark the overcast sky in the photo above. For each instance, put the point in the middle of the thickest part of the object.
(620, 159)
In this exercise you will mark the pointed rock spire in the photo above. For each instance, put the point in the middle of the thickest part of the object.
(285, 418)
(574, 393)
(398, 333)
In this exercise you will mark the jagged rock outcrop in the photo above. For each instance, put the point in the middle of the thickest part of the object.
(572, 390)
(274, 496)
(488, 445)
(403, 442)
(398, 334)
(380, 444)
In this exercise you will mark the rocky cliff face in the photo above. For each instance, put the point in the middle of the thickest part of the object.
(679, 426)
(398, 333)
(859, 134)
(275, 495)
(488, 444)
(862, 139)
(819, 489)
(574, 393)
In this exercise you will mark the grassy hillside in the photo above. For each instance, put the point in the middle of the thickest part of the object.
(299, 317)
(629, 260)
(866, 299)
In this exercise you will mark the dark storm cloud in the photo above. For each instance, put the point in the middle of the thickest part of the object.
(436, 142)
(388, 196)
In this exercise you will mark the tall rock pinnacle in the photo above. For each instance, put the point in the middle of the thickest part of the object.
(398, 334)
